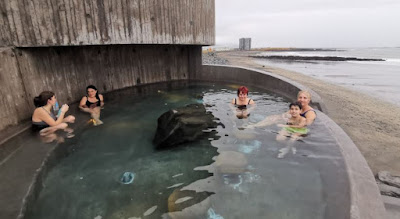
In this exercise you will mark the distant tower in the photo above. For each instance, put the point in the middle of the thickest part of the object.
(244, 43)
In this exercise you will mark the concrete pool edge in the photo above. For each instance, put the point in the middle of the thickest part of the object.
(365, 198)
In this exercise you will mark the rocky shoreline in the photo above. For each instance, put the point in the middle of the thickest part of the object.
(316, 58)
(211, 58)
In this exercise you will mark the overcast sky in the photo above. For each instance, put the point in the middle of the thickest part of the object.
(309, 23)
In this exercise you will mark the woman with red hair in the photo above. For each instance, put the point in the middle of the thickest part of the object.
(241, 102)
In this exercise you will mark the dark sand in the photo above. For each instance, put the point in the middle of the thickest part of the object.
(373, 125)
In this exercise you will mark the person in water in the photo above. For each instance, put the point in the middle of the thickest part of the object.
(43, 118)
(304, 98)
(295, 129)
(92, 103)
(295, 126)
(242, 103)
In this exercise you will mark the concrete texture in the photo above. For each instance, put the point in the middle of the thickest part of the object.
(68, 70)
(392, 206)
(106, 22)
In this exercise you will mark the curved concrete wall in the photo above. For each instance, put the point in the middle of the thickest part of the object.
(256, 78)
(106, 22)
(366, 202)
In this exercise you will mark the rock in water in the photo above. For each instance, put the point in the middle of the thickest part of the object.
(184, 124)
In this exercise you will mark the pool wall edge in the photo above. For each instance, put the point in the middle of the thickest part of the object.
(365, 198)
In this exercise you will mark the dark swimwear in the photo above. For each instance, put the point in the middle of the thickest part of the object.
(304, 114)
(242, 107)
(37, 126)
(88, 103)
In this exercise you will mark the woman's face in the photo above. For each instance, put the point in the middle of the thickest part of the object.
(242, 96)
(52, 101)
(91, 92)
(303, 99)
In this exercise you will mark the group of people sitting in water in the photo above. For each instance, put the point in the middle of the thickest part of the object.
(299, 116)
(47, 118)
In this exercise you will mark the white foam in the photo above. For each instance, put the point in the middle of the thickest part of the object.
(150, 210)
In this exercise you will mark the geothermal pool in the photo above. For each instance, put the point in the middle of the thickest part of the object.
(235, 175)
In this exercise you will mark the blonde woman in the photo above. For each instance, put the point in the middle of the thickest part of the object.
(304, 97)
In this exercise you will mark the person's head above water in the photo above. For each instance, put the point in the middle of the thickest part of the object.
(304, 98)
(44, 98)
(295, 104)
(91, 91)
(242, 93)
(242, 90)
(295, 109)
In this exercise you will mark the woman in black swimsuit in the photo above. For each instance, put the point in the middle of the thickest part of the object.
(44, 120)
(92, 103)
(242, 102)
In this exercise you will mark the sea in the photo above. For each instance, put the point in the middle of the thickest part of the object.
(379, 79)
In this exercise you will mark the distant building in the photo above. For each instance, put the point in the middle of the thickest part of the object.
(244, 43)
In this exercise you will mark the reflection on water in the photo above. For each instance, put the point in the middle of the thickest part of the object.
(236, 176)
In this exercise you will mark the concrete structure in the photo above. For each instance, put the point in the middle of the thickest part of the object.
(106, 22)
(244, 43)
(165, 40)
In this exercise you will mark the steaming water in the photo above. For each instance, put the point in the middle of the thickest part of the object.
(380, 79)
(235, 176)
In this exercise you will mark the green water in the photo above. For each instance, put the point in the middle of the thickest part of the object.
(185, 181)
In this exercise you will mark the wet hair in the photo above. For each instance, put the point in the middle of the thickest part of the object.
(94, 88)
(295, 104)
(42, 99)
(304, 92)
(242, 89)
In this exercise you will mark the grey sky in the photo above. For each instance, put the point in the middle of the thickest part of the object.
(309, 23)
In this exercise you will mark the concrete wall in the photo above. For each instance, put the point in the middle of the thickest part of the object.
(104, 22)
(255, 78)
(26, 72)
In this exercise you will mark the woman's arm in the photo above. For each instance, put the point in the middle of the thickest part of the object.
(101, 100)
(302, 124)
(82, 104)
(310, 117)
(45, 117)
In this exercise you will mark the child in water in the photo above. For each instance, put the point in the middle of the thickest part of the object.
(295, 128)
(296, 124)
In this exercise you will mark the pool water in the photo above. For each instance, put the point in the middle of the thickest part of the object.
(236, 175)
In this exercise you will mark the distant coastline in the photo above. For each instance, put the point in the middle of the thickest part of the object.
(290, 49)
(316, 58)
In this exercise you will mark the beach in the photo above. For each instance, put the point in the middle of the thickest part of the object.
(372, 124)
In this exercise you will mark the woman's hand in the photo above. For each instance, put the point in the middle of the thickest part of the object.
(64, 108)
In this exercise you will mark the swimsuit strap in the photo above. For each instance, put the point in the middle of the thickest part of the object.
(249, 102)
(304, 114)
(47, 111)
(51, 114)
(235, 101)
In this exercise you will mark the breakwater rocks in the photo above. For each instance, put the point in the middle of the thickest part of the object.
(316, 58)
(211, 58)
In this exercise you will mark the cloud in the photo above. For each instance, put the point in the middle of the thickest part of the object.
(308, 23)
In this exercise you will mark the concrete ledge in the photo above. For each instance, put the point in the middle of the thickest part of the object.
(366, 202)
(257, 78)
